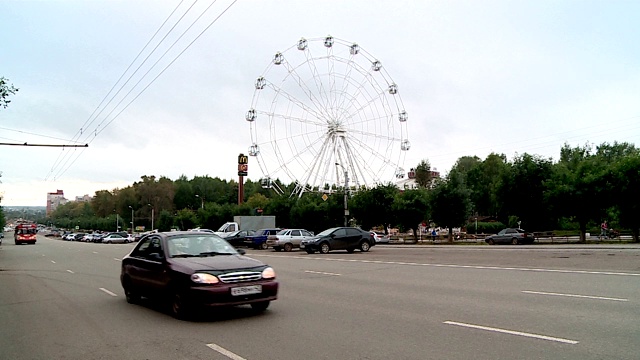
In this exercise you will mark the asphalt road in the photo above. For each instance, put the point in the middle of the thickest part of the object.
(63, 300)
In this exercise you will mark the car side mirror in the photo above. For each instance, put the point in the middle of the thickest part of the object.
(157, 256)
(333, 235)
(241, 251)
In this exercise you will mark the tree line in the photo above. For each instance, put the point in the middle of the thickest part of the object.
(588, 184)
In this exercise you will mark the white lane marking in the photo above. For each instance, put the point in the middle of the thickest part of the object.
(225, 352)
(321, 273)
(108, 292)
(95, 252)
(584, 272)
(511, 332)
(116, 259)
(53, 262)
(70, 272)
(574, 295)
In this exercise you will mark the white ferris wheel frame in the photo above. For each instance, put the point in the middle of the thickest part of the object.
(327, 122)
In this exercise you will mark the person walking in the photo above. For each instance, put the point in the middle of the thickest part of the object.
(603, 230)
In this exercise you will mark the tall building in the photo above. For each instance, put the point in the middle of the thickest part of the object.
(54, 200)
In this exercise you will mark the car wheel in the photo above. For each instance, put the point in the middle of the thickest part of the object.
(264, 246)
(179, 306)
(260, 306)
(288, 247)
(514, 241)
(277, 248)
(131, 295)
(109, 242)
(491, 242)
(364, 246)
(324, 248)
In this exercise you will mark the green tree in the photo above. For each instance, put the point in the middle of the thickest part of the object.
(410, 208)
(6, 89)
(450, 203)
(483, 180)
(423, 174)
(372, 207)
(522, 192)
(626, 193)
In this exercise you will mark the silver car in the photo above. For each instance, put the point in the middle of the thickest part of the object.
(115, 238)
(288, 239)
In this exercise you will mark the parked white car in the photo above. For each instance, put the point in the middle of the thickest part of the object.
(380, 237)
(288, 239)
(115, 238)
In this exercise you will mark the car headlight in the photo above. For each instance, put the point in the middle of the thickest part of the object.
(202, 278)
(268, 273)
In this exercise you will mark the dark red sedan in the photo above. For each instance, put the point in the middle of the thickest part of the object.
(194, 270)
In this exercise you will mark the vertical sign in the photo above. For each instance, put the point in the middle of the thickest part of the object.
(243, 164)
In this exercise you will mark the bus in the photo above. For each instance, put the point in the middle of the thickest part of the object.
(25, 233)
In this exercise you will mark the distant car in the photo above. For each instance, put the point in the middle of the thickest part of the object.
(97, 238)
(193, 270)
(237, 238)
(88, 237)
(510, 236)
(288, 239)
(69, 237)
(78, 237)
(259, 239)
(203, 230)
(379, 237)
(115, 238)
(339, 238)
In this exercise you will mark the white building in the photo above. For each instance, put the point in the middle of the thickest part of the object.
(54, 200)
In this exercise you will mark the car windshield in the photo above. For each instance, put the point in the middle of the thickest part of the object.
(282, 232)
(326, 232)
(204, 245)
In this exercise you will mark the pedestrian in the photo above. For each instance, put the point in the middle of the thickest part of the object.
(603, 230)
(434, 234)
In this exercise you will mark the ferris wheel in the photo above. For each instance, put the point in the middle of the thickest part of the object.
(326, 115)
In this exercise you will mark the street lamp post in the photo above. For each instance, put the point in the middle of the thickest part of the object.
(201, 201)
(346, 187)
(132, 225)
(152, 211)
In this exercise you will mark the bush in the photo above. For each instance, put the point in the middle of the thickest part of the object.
(485, 227)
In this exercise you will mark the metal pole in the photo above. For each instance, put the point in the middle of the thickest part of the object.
(132, 224)
(117, 222)
(346, 208)
(152, 211)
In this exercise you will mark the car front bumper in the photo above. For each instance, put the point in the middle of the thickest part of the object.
(221, 294)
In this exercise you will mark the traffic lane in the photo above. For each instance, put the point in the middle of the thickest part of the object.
(284, 320)
(53, 313)
(610, 258)
(497, 299)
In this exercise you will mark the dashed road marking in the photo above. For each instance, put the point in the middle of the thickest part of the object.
(511, 332)
(70, 272)
(53, 262)
(225, 352)
(108, 292)
(321, 273)
(574, 295)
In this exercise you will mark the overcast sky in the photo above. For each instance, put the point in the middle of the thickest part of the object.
(475, 77)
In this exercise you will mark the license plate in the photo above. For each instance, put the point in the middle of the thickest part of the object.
(246, 290)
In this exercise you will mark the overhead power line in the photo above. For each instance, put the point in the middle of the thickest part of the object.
(60, 167)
